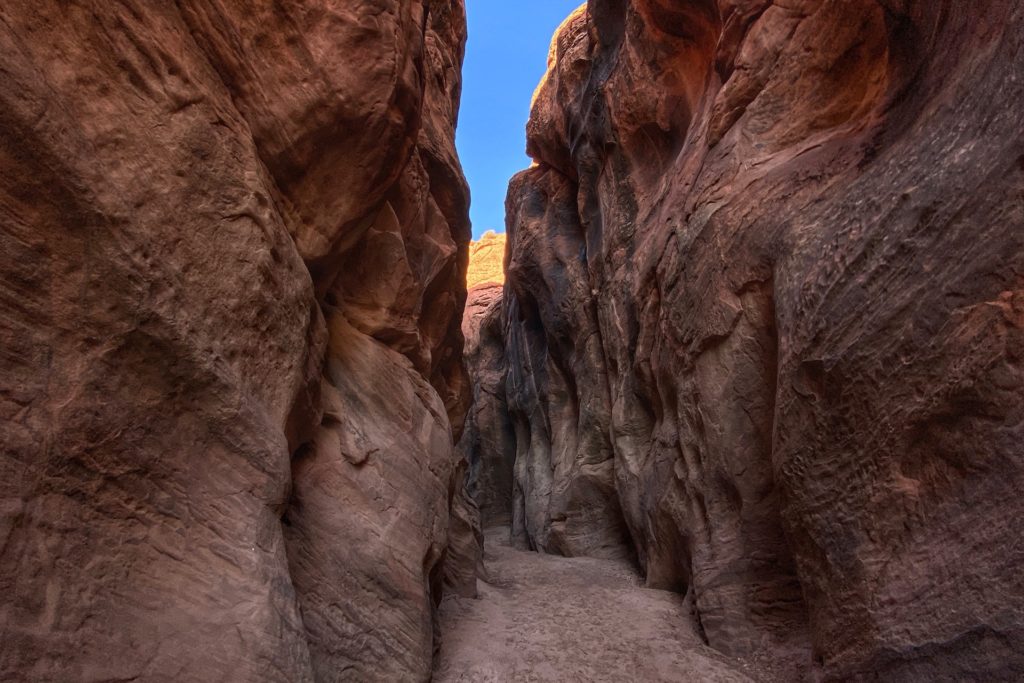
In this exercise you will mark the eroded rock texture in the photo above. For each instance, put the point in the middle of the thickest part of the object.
(765, 320)
(488, 441)
(233, 245)
(486, 262)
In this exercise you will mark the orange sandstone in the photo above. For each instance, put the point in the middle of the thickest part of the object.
(486, 260)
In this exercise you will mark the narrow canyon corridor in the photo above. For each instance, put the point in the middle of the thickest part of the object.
(547, 618)
(739, 357)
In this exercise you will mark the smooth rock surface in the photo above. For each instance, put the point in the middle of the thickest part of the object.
(233, 240)
(764, 321)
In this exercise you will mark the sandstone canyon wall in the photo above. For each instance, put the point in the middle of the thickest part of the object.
(764, 321)
(232, 239)
(488, 441)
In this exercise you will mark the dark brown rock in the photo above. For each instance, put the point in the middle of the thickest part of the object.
(769, 264)
(232, 245)
(565, 498)
(488, 442)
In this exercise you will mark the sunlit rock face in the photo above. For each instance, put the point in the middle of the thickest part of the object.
(763, 321)
(234, 240)
(486, 261)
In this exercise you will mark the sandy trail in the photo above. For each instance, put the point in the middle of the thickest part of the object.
(547, 618)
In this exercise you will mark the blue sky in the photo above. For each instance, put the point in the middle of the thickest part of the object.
(506, 56)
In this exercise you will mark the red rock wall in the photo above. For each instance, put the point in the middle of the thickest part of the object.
(233, 244)
(488, 442)
(765, 311)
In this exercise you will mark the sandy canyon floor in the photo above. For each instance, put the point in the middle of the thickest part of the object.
(548, 618)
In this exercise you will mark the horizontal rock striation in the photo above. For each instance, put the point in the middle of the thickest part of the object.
(233, 239)
(764, 321)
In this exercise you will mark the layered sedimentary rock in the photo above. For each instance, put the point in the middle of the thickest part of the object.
(764, 321)
(233, 245)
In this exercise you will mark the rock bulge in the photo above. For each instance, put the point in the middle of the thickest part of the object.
(234, 237)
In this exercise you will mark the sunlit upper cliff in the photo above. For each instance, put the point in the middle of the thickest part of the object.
(486, 260)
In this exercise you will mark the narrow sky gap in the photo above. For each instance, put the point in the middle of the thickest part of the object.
(506, 56)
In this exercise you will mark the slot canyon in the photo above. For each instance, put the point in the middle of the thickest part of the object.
(738, 395)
